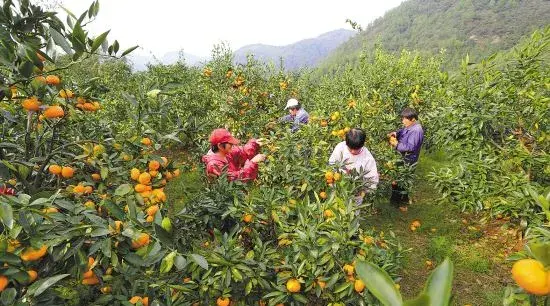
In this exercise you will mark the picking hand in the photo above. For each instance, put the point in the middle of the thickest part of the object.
(393, 141)
(392, 134)
(258, 158)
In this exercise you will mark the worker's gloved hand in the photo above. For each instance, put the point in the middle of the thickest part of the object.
(258, 158)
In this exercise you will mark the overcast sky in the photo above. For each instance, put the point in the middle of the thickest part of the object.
(162, 26)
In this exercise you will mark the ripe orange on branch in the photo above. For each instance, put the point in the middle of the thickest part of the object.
(54, 111)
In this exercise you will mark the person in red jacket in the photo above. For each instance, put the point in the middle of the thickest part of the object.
(241, 162)
(7, 189)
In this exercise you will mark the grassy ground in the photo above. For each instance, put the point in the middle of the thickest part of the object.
(477, 247)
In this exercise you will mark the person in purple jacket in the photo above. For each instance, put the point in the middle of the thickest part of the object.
(408, 142)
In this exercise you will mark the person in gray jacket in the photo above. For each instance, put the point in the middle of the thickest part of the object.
(297, 115)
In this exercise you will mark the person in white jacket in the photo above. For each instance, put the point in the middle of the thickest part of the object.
(355, 159)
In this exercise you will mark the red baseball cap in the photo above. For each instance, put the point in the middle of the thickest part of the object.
(222, 135)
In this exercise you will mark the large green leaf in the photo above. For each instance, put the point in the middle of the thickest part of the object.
(439, 284)
(99, 40)
(421, 300)
(6, 214)
(379, 283)
(61, 41)
(42, 285)
(200, 260)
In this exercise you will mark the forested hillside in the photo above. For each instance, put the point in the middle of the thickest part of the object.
(478, 28)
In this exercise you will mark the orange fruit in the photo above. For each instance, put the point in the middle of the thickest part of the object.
(66, 93)
(54, 111)
(144, 178)
(79, 189)
(33, 275)
(323, 195)
(88, 189)
(160, 195)
(530, 275)
(149, 219)
(90, 204)
(145, 301)
(135, 299)
(50, 210)
(67, 172)
(146, 141)
(140, 188)
(153, 173)
(247, 218)
(368, 240)
(31, 104)
(337, 176)
(164, 161)
(106, 289)
(221, 301)
(176, 172)
(321, 284)
(55, 169)
(142, 240)
(152, 210)
(134, 174)
(53, 80)
(416, 223)
(154, 165)
(32, 254)
(3, 282)
(329, 175)
(359, 286)
(349, 269)
(324, 123)
(94, 280)
(328, 213)
(96, 177)
(168, 175)
(293, 285)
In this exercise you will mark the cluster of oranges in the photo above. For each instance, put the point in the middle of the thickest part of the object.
(29, 254)
(135, 299)
(340, 133)
(87, 105)
(157, 173)
(32, 104)
(332, 177)
(89, 277)
(358, 284)
(63, 171)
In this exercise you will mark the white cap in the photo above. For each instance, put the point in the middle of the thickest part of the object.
(291, 103)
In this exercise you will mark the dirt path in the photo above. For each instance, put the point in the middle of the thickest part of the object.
(478, 248)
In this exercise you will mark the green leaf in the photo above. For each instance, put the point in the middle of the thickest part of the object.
(99, 40)
(61, 41)
(180, 262)
(379, 283)
(541, 252)
(127, 51)
(123, 189)
(100, 231)
(10, 259)
(421, 300)
(200, 260)
(43, 284)
(439, 284)
(6, 214)
(8, 296)
(167, 262)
